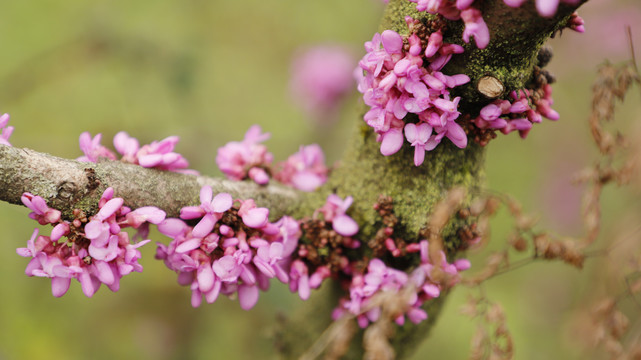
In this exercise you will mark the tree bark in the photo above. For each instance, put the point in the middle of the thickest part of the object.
(516, 37)
(69, 184)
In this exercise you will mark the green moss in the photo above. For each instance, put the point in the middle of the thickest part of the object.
(395, 13)
(365, 174)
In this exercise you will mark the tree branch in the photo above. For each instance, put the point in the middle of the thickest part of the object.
(68, 184)
(516, 37)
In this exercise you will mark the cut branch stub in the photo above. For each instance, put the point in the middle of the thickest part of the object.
(490, 86)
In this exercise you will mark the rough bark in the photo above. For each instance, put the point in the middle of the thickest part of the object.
(68, 184)
(516, 37)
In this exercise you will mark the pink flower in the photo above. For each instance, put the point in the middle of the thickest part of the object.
(546, 8)
(95, 253)
(40, 211)
(158, 155)
(514, 3)
(475, 26)
(92, 149)
(396, 83)
(6, 130)
(253, 216)
(576, 23)
(392, 42)
(236, 159)
(211, 210)
(127, 146)
(146, 214)
(229, 259)
(321, 77)
(418, 137)
(299, 279)
(304, 170)
(391, 141)
(378, 278)
(517, 114)
(334, 211)
(434, 43)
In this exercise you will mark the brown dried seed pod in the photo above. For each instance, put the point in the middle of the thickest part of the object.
(544, 56)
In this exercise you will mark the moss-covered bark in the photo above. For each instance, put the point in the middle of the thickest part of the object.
(516, 37)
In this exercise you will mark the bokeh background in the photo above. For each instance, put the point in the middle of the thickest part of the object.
(206, 70)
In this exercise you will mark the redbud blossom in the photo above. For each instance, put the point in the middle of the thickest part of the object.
(232, 250)
(158, 155)
(6, 130)
(304, 170)
(395, 83)
(236, 159)
(321, 77)
(94, 253)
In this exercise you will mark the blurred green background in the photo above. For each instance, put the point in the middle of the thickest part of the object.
(206, 70)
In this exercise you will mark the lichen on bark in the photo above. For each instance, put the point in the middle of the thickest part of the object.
(69, 184)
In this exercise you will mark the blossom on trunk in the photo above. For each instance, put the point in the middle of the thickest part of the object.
(397, 80)
(380, 277)
(6, 130)
(157, 155)
(94, 251)
(246, 159)
(232, 250)
(304, 170)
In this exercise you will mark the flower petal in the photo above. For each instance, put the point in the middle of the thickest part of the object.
(345, 225)
(59, 285)
(247, 296)
(204, 226)
(222, 202)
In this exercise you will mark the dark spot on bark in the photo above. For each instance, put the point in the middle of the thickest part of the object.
(92, 178)
(66, 189)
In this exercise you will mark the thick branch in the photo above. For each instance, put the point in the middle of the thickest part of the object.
(69, 184)
(516, 37)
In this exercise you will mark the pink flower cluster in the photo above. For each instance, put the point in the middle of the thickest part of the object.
(459, 10)
(517, 114)
(304, 170)
(248, 158)
(231, 250)
(239, 160)
(321, 78)
(576, 23)
(396, 82)
(234, 249)
(158, 155)
(94, 252)
(545, 8)
(474, 24)
(333, 212)
(381, 278)
(6, 130)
